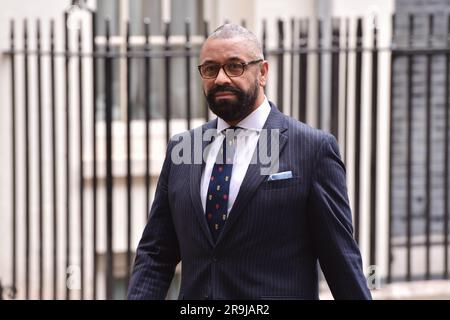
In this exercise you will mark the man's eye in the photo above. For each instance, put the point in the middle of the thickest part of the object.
(210, 68)
(234, 66)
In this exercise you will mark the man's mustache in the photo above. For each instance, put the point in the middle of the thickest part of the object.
(218, 89)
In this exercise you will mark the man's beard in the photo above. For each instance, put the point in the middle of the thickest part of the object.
(236, 109)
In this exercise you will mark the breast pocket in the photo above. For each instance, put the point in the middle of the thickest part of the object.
(283, 183)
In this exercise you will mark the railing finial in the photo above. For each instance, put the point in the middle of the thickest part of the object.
(75, 13)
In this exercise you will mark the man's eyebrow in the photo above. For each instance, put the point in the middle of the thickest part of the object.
(235, 59)
(209, 61)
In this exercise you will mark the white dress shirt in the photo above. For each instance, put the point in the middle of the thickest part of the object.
(245, 147)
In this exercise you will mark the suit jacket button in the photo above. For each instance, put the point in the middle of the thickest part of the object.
(214, 259)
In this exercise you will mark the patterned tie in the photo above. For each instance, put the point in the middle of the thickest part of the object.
(219, 185)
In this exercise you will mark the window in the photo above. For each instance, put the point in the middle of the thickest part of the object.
(108, 9)
(183, 9)
(159, 11)
(140, 9)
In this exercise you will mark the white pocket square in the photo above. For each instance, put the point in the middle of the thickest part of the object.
(280, 176)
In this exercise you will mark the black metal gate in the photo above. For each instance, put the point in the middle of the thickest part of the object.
(54, 98)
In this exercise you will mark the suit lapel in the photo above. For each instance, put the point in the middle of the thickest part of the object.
(195, 180)
(253, 177)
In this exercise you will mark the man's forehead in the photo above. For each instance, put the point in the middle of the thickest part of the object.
(218, 48)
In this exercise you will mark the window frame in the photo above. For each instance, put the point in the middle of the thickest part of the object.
(118, 42)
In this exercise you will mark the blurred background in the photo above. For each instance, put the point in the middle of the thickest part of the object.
(92, 90)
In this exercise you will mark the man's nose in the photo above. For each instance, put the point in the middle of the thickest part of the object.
(222, 78)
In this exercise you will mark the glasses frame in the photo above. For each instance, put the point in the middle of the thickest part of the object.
(244, 67)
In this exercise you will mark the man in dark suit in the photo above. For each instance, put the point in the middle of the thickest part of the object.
(241, 232)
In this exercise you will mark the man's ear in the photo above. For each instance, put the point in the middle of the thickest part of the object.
(264, 69)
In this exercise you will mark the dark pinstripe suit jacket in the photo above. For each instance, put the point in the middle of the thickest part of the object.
(276, 232)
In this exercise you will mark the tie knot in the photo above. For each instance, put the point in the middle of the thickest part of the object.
(232, 131)
(226, 154)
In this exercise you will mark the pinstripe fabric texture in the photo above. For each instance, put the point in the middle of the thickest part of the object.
(275, 235)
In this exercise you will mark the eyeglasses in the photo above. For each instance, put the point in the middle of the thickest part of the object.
(232, 69)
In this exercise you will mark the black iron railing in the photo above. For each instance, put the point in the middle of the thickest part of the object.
(345, 47)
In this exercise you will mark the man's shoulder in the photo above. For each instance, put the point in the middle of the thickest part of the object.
(195, 136)
(296, 127)
(306, 132)
(207, 125)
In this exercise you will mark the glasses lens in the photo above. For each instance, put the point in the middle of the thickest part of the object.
(209, 70)
(234, 69)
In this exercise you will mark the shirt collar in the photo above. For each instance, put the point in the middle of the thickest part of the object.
(254, 121)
